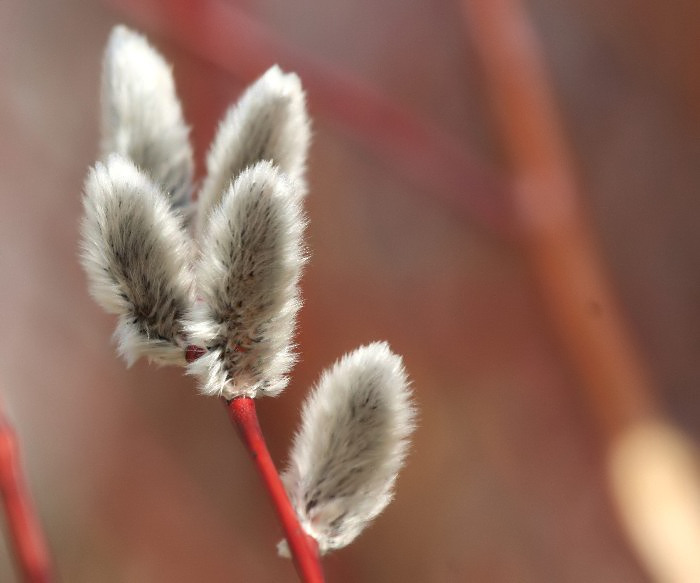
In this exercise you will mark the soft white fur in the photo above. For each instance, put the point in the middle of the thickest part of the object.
(141, 114)
(269, 122)
(247, 275)
(136, 256)
(351, 445)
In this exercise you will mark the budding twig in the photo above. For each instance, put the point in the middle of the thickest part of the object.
(231, 316)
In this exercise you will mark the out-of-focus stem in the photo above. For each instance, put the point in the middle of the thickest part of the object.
(303, 547)
(557, 239)
(25, 532)
(652, 467)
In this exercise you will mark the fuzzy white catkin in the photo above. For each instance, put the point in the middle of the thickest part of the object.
(250, 263)
(141, 114)
(351, 445)
(135, 253)
(269, 122)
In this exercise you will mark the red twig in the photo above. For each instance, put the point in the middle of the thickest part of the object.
(26, 536)
(303, 547)
(225, 36)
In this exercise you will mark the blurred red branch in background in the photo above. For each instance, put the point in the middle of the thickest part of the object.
(25, 533)
(557, 238)
(652, 467)
(225, 36)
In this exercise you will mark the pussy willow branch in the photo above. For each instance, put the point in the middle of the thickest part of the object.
(225, 36)
(25, 532)
(543, 206)
(303, 548)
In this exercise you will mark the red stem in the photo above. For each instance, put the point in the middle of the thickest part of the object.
(303, 547)
(25, 532)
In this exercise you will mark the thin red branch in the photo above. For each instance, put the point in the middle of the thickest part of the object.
(225, 36)
(25, 533)
(303, 548)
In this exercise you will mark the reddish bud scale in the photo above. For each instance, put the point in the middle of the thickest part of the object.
(192, 353)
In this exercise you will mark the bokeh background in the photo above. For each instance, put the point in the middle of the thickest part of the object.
(139, 479)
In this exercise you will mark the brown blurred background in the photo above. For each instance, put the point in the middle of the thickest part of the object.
(139, 479)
